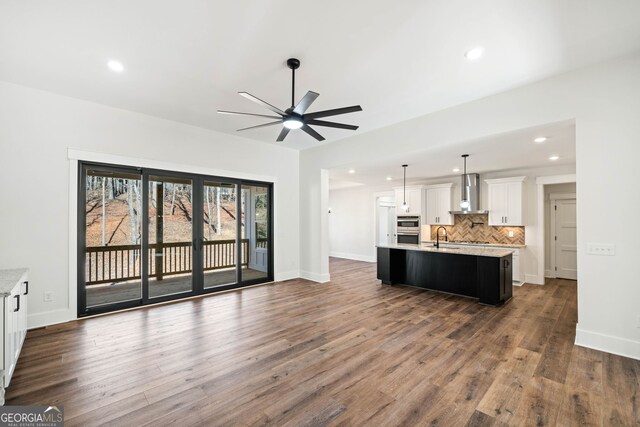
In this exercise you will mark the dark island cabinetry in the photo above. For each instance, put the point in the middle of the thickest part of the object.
(471, 273)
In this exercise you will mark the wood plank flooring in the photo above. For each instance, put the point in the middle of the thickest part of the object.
(348, 352)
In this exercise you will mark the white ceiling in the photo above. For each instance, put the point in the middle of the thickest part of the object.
(186, 59)
(513, 150)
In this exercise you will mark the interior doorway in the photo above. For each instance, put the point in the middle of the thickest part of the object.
(561, 230)
(564, 244)
(385, 220)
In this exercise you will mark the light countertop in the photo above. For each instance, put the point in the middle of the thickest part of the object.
(497, 245)
(9, 278)
(474, 251)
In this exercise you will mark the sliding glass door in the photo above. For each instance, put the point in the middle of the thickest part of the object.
(170, 231)
(110, 208)
(219, 233)
(255, 231)
(146, 236)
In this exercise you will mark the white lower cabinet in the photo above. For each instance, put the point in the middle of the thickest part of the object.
(14, 287)
(515, 263)
(516, 267)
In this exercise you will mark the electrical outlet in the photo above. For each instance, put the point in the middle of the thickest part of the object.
(48, 297)
(601, 249)
(510, 233)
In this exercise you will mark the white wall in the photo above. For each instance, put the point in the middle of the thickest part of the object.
(351, 229)
(549, 189)
(351, 223)
(604, 100)
(37, 127)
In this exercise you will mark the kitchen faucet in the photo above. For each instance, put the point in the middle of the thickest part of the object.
(446, 239)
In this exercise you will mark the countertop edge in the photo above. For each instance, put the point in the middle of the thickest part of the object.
(10, 277)
(493, 253)
(497, 245)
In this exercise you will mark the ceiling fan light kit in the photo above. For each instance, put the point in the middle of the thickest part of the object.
(293, 123)
(296, 116)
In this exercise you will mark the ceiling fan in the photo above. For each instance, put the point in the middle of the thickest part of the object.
(295, 117)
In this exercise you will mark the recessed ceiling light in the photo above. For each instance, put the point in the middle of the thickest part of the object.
(115, 66)
(554, 157)
(473, 54)
(540, 139)
(352, 171)
(389, 178)
(456, 169)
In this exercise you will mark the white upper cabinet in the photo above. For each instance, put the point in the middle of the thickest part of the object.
(399, 199)
(439, 199)
(506, 197)
(414, 198)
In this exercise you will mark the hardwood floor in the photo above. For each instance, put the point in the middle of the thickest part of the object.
(348, 352)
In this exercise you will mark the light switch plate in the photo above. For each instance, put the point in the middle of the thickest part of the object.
(601, 249)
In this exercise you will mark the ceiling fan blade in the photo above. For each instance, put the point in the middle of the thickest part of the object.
(312, 132)
(331, 124)
(305, 102)
(263, 103)
(283, 134)
(236, 113)
(333, 112)
(279, 122)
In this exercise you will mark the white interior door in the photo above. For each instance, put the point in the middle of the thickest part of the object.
(386, 223)
(566, 248)
(383, 225)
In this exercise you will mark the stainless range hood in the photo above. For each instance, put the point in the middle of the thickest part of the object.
(469, 193)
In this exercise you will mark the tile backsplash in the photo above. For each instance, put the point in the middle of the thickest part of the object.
(475, 228)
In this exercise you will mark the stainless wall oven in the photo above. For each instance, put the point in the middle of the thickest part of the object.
(408, 230)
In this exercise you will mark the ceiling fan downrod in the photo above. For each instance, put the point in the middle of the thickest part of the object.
(294, 64)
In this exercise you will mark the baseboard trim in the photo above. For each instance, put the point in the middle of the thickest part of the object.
(533, 279)
(48, 318)
(355, 257)
(549, 274)
(287, 275)
(608, 343)
(315, 277)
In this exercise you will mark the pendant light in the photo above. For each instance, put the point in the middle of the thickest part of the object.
(464, 203)
(405, 206)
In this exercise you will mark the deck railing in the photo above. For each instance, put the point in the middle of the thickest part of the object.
(106, 264)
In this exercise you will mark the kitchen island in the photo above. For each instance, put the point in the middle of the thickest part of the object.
(479, 273)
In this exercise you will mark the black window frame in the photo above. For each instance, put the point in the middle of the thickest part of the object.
(197, 233)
